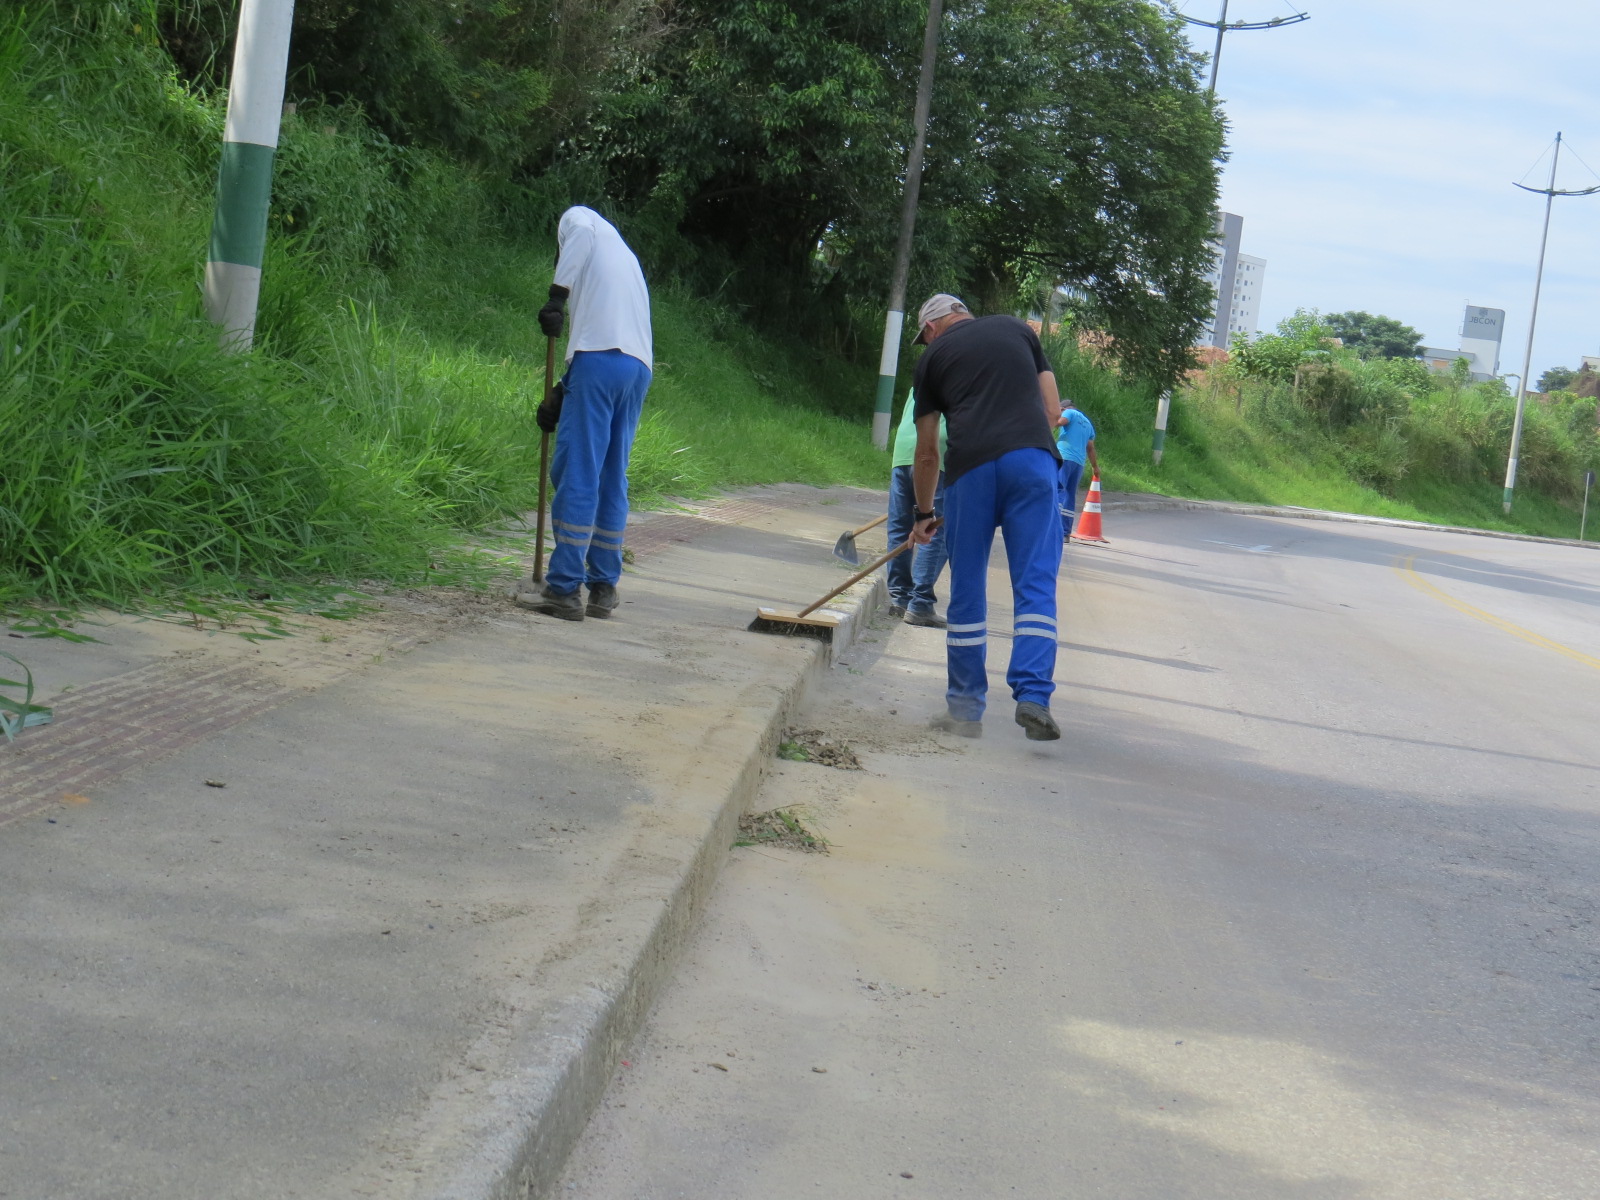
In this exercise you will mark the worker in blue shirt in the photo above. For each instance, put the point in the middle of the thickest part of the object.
(1075, 440)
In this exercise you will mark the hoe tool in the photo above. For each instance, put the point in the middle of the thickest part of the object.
(845, 547)
(809, 622)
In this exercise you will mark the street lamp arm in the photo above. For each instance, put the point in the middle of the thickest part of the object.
(1230, 26)
(1555, 192)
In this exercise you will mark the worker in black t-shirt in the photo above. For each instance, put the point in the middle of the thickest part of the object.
(988, 377)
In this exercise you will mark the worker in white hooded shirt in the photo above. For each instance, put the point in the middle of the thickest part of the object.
(594, 412)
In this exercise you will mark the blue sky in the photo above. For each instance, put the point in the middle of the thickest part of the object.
(1373, 149)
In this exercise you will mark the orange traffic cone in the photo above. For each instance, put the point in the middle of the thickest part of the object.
(1088, 528)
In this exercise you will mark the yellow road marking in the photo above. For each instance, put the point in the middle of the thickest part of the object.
(1406, 567)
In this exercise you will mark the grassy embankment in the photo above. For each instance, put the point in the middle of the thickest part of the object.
(1436, 456)
(386, 409)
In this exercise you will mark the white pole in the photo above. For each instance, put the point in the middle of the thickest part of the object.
(1163, 408)
(894, 320)
(244, 179)
(1533, 322)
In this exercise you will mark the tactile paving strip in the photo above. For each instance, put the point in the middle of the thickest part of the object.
(112, 725)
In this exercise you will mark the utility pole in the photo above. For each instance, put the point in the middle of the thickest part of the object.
(1549, 193)
(894, 322)
(1158, 443)
(1222, 26)
(244, 179)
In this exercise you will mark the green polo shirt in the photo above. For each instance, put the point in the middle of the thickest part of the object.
(905, 437)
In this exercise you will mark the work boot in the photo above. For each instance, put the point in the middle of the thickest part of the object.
(925, 617)
(895, 611)
(946, 723)
(1037, 722)
(602, 600)
(568, 606)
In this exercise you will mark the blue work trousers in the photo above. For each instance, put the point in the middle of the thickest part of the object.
(913, 574)
(605, 395)
(1015, 493)
(1067, 499)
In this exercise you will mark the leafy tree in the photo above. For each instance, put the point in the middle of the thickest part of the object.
(1300, 340)
(493, 82)
(1074, 139)
(1374, 336)
(1070, 140)
(1556, 379)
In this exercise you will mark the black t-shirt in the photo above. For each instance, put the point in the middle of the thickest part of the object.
(983, 375)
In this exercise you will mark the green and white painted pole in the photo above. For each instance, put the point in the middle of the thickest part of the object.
(1159, 442)
(895, 322)
(244, 181)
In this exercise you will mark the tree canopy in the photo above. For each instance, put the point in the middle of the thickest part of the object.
(1374, 336)
(1070, 143)
(757, 147)
(1556, 379)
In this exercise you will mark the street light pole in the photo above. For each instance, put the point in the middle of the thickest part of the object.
(894, 321)
(1216, 55)
(1222, 26)
(1549, 193)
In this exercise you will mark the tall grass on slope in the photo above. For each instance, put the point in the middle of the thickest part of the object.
(387, 407)
(135, 457)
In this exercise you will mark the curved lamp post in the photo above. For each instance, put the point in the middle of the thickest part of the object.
(1222, 25)
(1549, 193)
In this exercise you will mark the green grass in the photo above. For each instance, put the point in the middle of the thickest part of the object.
(1266, 451)
(386, 410)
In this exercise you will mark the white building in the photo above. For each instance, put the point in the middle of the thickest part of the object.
(1481, 330)
(1245, 309)
(1236, 277)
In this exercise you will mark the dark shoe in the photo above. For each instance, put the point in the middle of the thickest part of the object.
(602, 600)
(1037, 722)
(896, 611)
(929, 619)
(945, 723)
(568, 606)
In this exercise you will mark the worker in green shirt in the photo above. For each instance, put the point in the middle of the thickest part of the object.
(911, 579)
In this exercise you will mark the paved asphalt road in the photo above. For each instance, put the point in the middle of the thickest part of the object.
(1302, 907)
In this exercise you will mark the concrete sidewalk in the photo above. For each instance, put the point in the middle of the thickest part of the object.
(458, 845)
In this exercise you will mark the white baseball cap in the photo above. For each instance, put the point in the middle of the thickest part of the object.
(934, 307)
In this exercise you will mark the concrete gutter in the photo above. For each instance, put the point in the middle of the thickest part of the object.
(1148, 502)
(516, 1145)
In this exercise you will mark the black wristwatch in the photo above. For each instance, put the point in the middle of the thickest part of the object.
(918, 516)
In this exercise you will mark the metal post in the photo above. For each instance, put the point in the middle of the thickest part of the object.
(1533, 322)
(894, 322)
(1216, 55)
(1159, 443)
(1221, 26)
(244, 179)
(1583, 521)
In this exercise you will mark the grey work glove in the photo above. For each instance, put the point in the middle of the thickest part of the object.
(554, 313)
(549, 412)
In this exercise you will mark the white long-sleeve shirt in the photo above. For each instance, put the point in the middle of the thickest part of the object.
(608, 300)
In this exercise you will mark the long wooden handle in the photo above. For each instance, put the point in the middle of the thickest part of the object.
(544, 460)
(860, 575)
(872, 524)
(864, 572)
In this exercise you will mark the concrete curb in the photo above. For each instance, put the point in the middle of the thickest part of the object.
(517, 1144)
(1137, 502)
